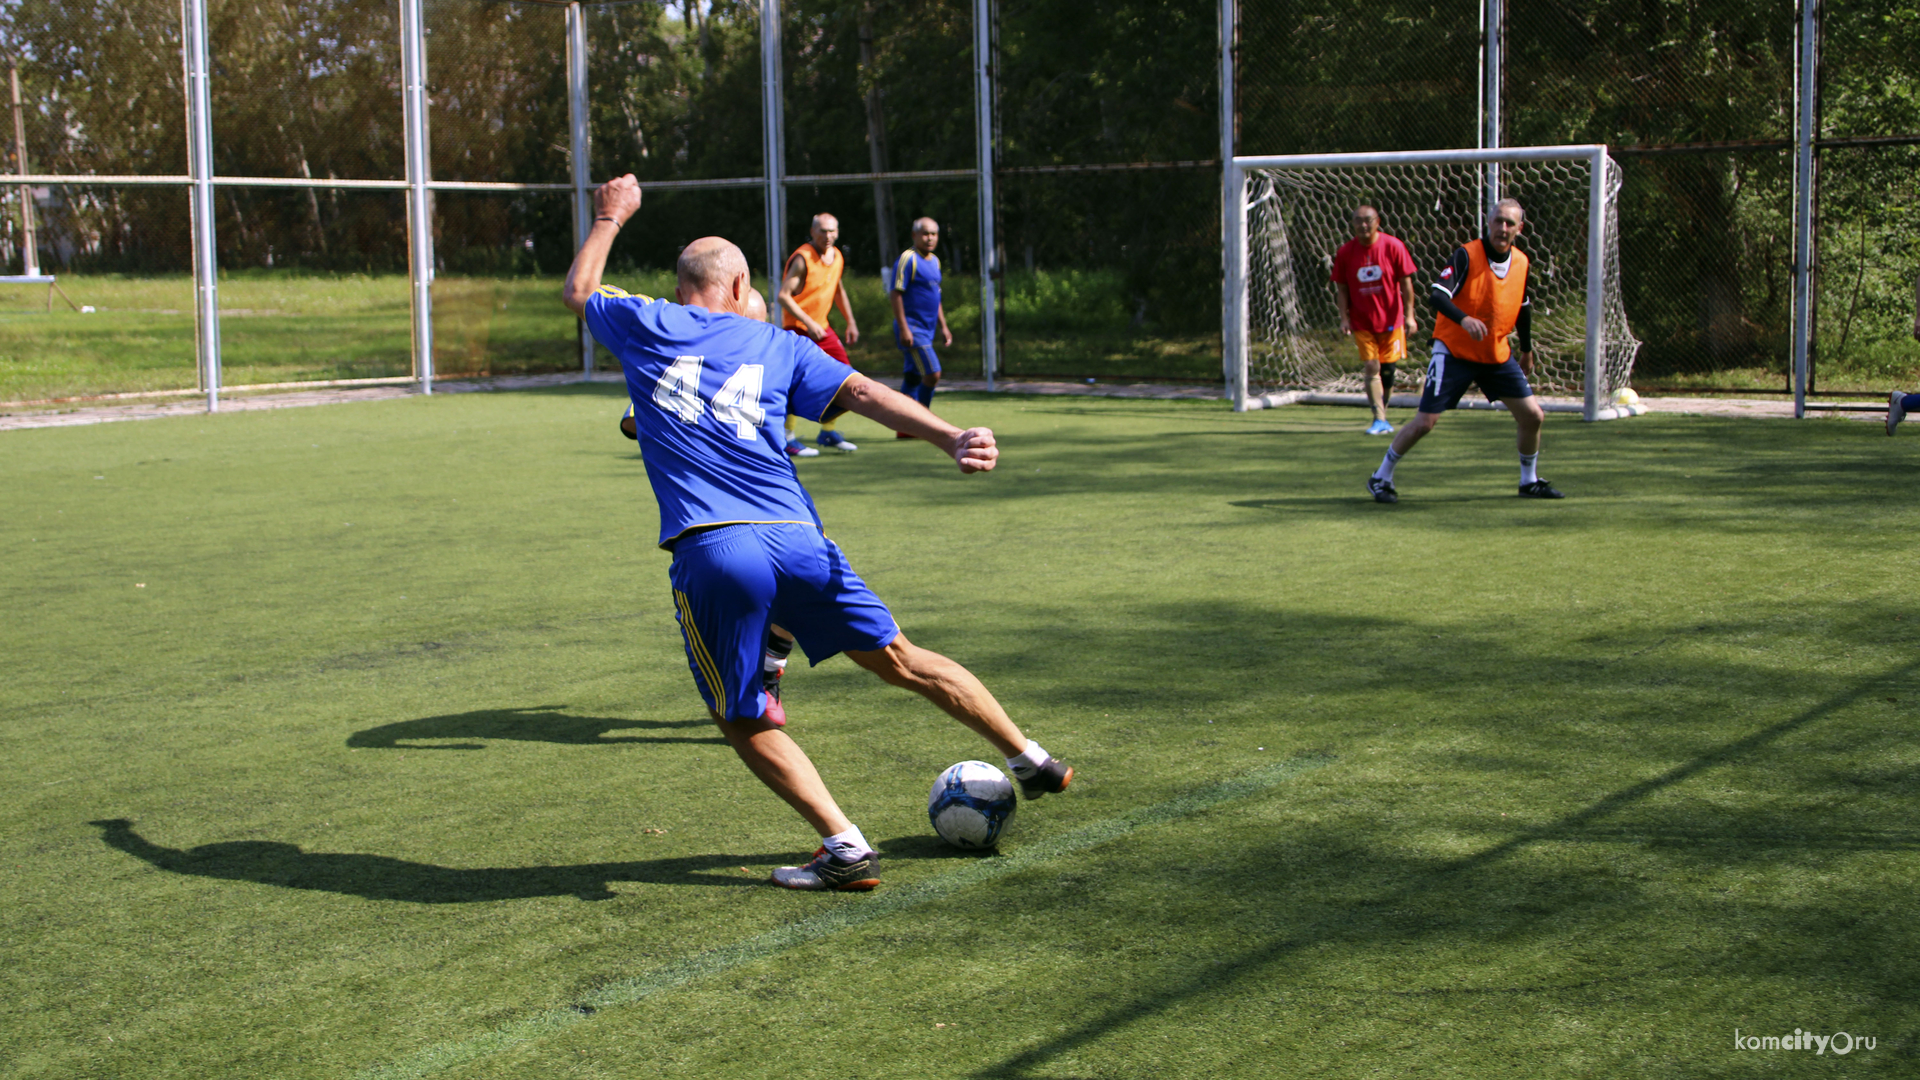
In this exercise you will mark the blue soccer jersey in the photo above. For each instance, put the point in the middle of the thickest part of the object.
(917, 279)
(711, 394)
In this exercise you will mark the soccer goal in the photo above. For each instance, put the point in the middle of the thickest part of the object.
(1282, 332)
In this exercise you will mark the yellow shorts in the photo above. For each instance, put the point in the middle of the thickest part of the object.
(1383, 346)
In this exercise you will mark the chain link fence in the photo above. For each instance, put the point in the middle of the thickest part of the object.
(1106, 170)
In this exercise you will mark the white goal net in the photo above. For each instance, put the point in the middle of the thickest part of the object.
(1283, 331)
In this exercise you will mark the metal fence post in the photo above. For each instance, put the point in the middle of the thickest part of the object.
(774, 142)
(580, 149)
(206, 268)
(1233, 222)
(413, 77)
(1493, 43)
(1803, 179)
(983, 125)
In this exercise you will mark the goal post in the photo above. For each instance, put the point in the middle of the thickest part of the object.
(1281, 331)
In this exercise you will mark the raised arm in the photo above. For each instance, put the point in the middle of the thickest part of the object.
(973, 449)
(613, 203)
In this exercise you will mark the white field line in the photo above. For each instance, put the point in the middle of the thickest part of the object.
(834, 920)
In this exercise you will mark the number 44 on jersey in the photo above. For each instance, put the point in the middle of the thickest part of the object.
(737, 403)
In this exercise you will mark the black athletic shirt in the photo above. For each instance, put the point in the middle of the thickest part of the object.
(1442, 297)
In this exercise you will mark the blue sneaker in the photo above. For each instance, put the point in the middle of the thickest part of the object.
(1379, 427)
(796, 448)
(833, 440)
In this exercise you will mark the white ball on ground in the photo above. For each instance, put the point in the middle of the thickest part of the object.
(971, 804)
(1626, 396)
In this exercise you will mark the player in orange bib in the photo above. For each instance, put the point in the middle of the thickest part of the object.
(809, 289)
(1480, 299)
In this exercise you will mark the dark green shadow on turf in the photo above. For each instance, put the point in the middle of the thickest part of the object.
(536, 723)
(1476, 881)
(378, 877)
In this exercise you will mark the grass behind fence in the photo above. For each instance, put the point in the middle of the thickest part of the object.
(340, 735)
(284, 327)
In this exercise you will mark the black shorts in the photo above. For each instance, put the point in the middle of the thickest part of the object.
(1448, 377)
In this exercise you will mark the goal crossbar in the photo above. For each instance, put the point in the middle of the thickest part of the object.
(1234, 287)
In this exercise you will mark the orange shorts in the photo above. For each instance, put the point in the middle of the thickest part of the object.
(1384, 346)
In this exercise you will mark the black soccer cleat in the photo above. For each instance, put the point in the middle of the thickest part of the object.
(1049, 779)
(1382, 490)
(1539, 489)
(828, 872)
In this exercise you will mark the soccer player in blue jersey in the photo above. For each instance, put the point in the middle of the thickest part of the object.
(711, 391)
(917, 312)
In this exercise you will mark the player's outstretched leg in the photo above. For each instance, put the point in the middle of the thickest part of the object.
(1898, 406)
(962, 696)
(1380, 484)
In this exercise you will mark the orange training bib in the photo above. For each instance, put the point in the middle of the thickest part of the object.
(1493, 300)
(816, 293)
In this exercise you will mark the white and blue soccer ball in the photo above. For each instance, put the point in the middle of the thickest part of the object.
(971, 805)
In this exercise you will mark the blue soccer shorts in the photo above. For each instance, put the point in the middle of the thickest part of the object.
(1448, 377)
(730, 582)
(919, 359)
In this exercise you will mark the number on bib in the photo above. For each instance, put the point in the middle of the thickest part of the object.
(678, 390)
(738, 402)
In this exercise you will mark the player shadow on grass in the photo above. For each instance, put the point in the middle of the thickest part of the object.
(379, 877)
(539, 723)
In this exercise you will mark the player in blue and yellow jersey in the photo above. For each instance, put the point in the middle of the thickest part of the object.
(711, 391)
(917, 313)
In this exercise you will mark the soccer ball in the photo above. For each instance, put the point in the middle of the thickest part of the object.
(1626, 396)
(971, 805)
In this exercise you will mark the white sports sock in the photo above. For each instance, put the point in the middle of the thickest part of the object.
(1385, 471)
(1528, 474)
(1029, 760)
(770, 662)
(848, 845)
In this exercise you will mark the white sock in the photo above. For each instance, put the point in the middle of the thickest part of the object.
(1527, 471)
(1029, 760)
(1385, 471)
(770, 662)
(849, 845)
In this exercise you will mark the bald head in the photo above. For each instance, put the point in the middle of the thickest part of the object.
(713, 275)
(926, 235)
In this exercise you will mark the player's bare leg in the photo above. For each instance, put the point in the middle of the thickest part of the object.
(962, 696)
(1376, 393)
(773, 756)
(1528, 417)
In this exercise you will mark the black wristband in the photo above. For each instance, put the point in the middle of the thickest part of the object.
(616, 222)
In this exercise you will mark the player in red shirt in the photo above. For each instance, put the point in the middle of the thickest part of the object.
(1373, 280)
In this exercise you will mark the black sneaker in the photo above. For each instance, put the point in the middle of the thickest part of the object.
(827, 872)
(1539, 489)
(1382, 490)
(1049, 779)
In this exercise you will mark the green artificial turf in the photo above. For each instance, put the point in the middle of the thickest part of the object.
(358, 741)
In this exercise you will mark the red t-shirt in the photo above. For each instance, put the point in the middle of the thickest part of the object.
(1372, 275)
